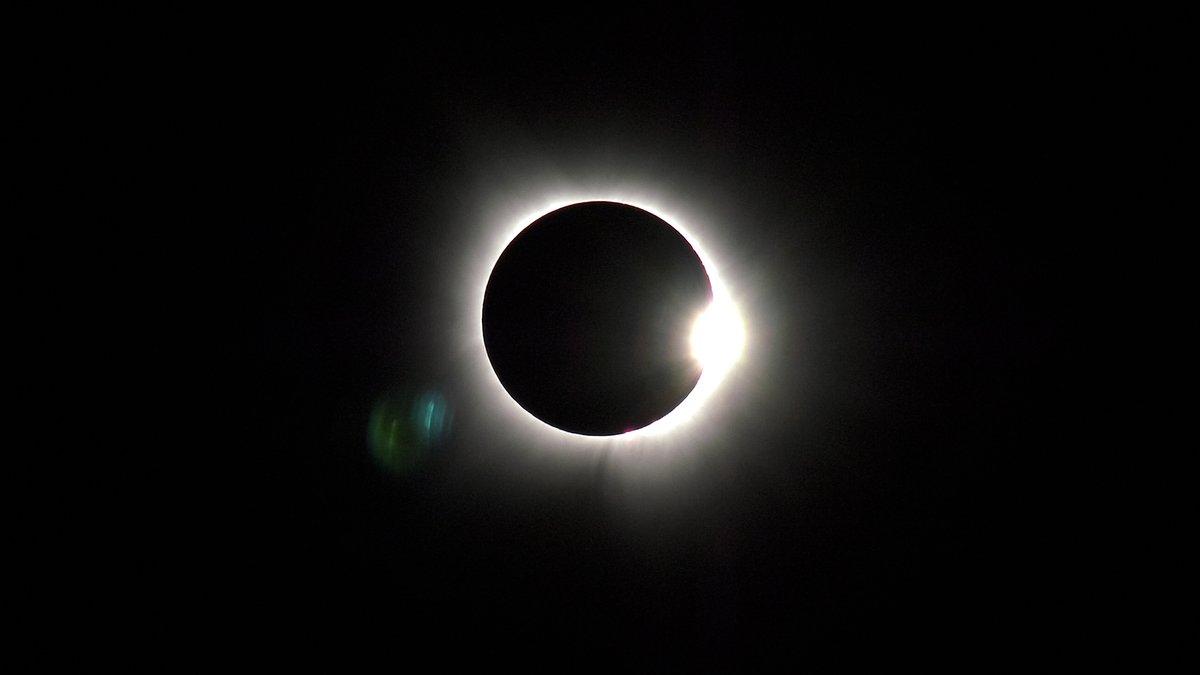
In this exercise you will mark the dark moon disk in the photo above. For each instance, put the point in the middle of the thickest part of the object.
(587, 318)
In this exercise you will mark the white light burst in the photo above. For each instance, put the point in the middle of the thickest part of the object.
(717, 337)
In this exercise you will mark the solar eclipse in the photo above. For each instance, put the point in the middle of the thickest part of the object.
(600, 318)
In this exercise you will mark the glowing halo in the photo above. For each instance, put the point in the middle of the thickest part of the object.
(685, 422)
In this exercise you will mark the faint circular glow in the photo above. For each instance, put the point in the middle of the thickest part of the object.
(722, 332)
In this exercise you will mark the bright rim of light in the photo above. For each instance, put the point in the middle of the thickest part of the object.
(720, 351)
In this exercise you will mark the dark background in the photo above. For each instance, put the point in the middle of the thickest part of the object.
(890, 490)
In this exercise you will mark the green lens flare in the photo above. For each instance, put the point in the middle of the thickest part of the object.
(403, 428)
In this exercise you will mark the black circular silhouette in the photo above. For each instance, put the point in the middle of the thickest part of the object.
(587, 318)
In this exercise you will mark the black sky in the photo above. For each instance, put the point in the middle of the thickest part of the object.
(889, 493)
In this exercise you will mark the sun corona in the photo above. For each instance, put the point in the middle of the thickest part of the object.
(717, 338)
